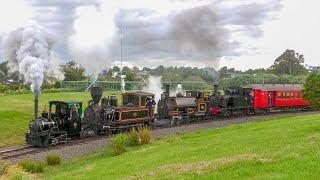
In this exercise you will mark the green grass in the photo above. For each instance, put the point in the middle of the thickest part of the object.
(286, 148)
(16, 111)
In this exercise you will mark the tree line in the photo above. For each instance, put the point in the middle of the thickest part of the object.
(288, 68)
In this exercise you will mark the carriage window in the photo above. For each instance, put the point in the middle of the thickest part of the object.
(283, 95)
(288, 95)
(279, 95)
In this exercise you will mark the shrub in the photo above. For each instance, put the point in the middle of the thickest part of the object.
(118, 144)
(134, 137)
(53, 159)
(3, 167)
(3, 88)
(145, 135)
(30, 166)
(140, 136)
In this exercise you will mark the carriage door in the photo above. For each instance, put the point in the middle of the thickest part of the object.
(270, 99)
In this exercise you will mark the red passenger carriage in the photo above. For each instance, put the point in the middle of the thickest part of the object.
(278, 96)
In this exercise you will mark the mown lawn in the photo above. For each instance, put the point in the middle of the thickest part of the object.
(285, 148)
(16, 111)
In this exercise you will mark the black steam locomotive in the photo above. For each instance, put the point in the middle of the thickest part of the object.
(102, 116)
(105, 116)
(197, 105)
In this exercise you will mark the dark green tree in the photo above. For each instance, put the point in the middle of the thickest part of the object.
(15, 76)
(311, 90)
(2, 76)
(73, 71)
(289, 62)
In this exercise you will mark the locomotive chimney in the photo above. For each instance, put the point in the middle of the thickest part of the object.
(96, 94)
(36, 102)
(215, 89)
(167, 91)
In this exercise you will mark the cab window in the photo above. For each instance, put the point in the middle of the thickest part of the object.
(143, 100)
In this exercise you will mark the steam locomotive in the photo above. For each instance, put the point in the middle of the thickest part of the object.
(105, 116)
(102, 116)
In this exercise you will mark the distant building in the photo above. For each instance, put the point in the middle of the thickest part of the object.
(10, 82)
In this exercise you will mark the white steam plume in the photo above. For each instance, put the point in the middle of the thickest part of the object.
(154, 86)
(93, 31)
(28, 50)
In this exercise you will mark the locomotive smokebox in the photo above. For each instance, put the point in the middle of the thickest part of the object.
(96, 94)
(36, 102)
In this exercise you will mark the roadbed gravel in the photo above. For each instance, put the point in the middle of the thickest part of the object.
(83, 149)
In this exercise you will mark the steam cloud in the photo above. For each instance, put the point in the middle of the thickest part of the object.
(192, 34)
(187, 32)
(28, 50)
(154, 86)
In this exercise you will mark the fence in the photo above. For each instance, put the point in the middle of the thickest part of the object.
(130, 85)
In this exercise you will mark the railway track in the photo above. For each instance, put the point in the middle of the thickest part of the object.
(16, 152)
(23, 151)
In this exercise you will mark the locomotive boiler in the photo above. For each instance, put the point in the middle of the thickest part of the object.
(182, 108)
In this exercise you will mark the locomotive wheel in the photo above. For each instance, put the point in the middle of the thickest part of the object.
(172, 121)
(46, 141)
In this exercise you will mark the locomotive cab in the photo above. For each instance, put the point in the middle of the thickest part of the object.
(69, 114)
(53, 127)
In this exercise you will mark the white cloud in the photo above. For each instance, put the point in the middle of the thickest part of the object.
(14, 14)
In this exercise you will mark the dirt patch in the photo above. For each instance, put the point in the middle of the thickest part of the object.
(200, 167)
(89, 167)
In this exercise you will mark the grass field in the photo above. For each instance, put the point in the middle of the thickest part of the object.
(16, 111)
(286, 148)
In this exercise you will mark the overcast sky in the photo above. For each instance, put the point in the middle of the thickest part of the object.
(237, 33)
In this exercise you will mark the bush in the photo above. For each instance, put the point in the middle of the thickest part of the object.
(53, 159)
(118, 144)
(3, 167)
(3, 88)
(140, 136)
(134, 137)
(145, 135)
(30, 166)
(16, 172)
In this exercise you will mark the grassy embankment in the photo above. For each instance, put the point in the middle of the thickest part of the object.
(16, 111)
(288, 147)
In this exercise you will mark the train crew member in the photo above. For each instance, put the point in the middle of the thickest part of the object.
(150, 104)
(74, 113)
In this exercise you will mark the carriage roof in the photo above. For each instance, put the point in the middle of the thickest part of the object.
(275, 87)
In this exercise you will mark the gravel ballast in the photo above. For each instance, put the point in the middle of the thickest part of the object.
(88, 147)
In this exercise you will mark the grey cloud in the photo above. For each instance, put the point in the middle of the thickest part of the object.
(58, 15)
(194, 34)
(199, 33)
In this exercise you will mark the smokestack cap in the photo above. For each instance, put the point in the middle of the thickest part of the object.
(96, 94)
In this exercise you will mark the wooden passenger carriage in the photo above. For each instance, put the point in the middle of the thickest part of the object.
(278, 96)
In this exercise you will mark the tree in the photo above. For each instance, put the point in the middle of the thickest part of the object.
(289, 62)
(130, 76)
(2, 76)
(15, 76)
(4, 68)
(311, 90)
(73, 71)
(226, 73)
